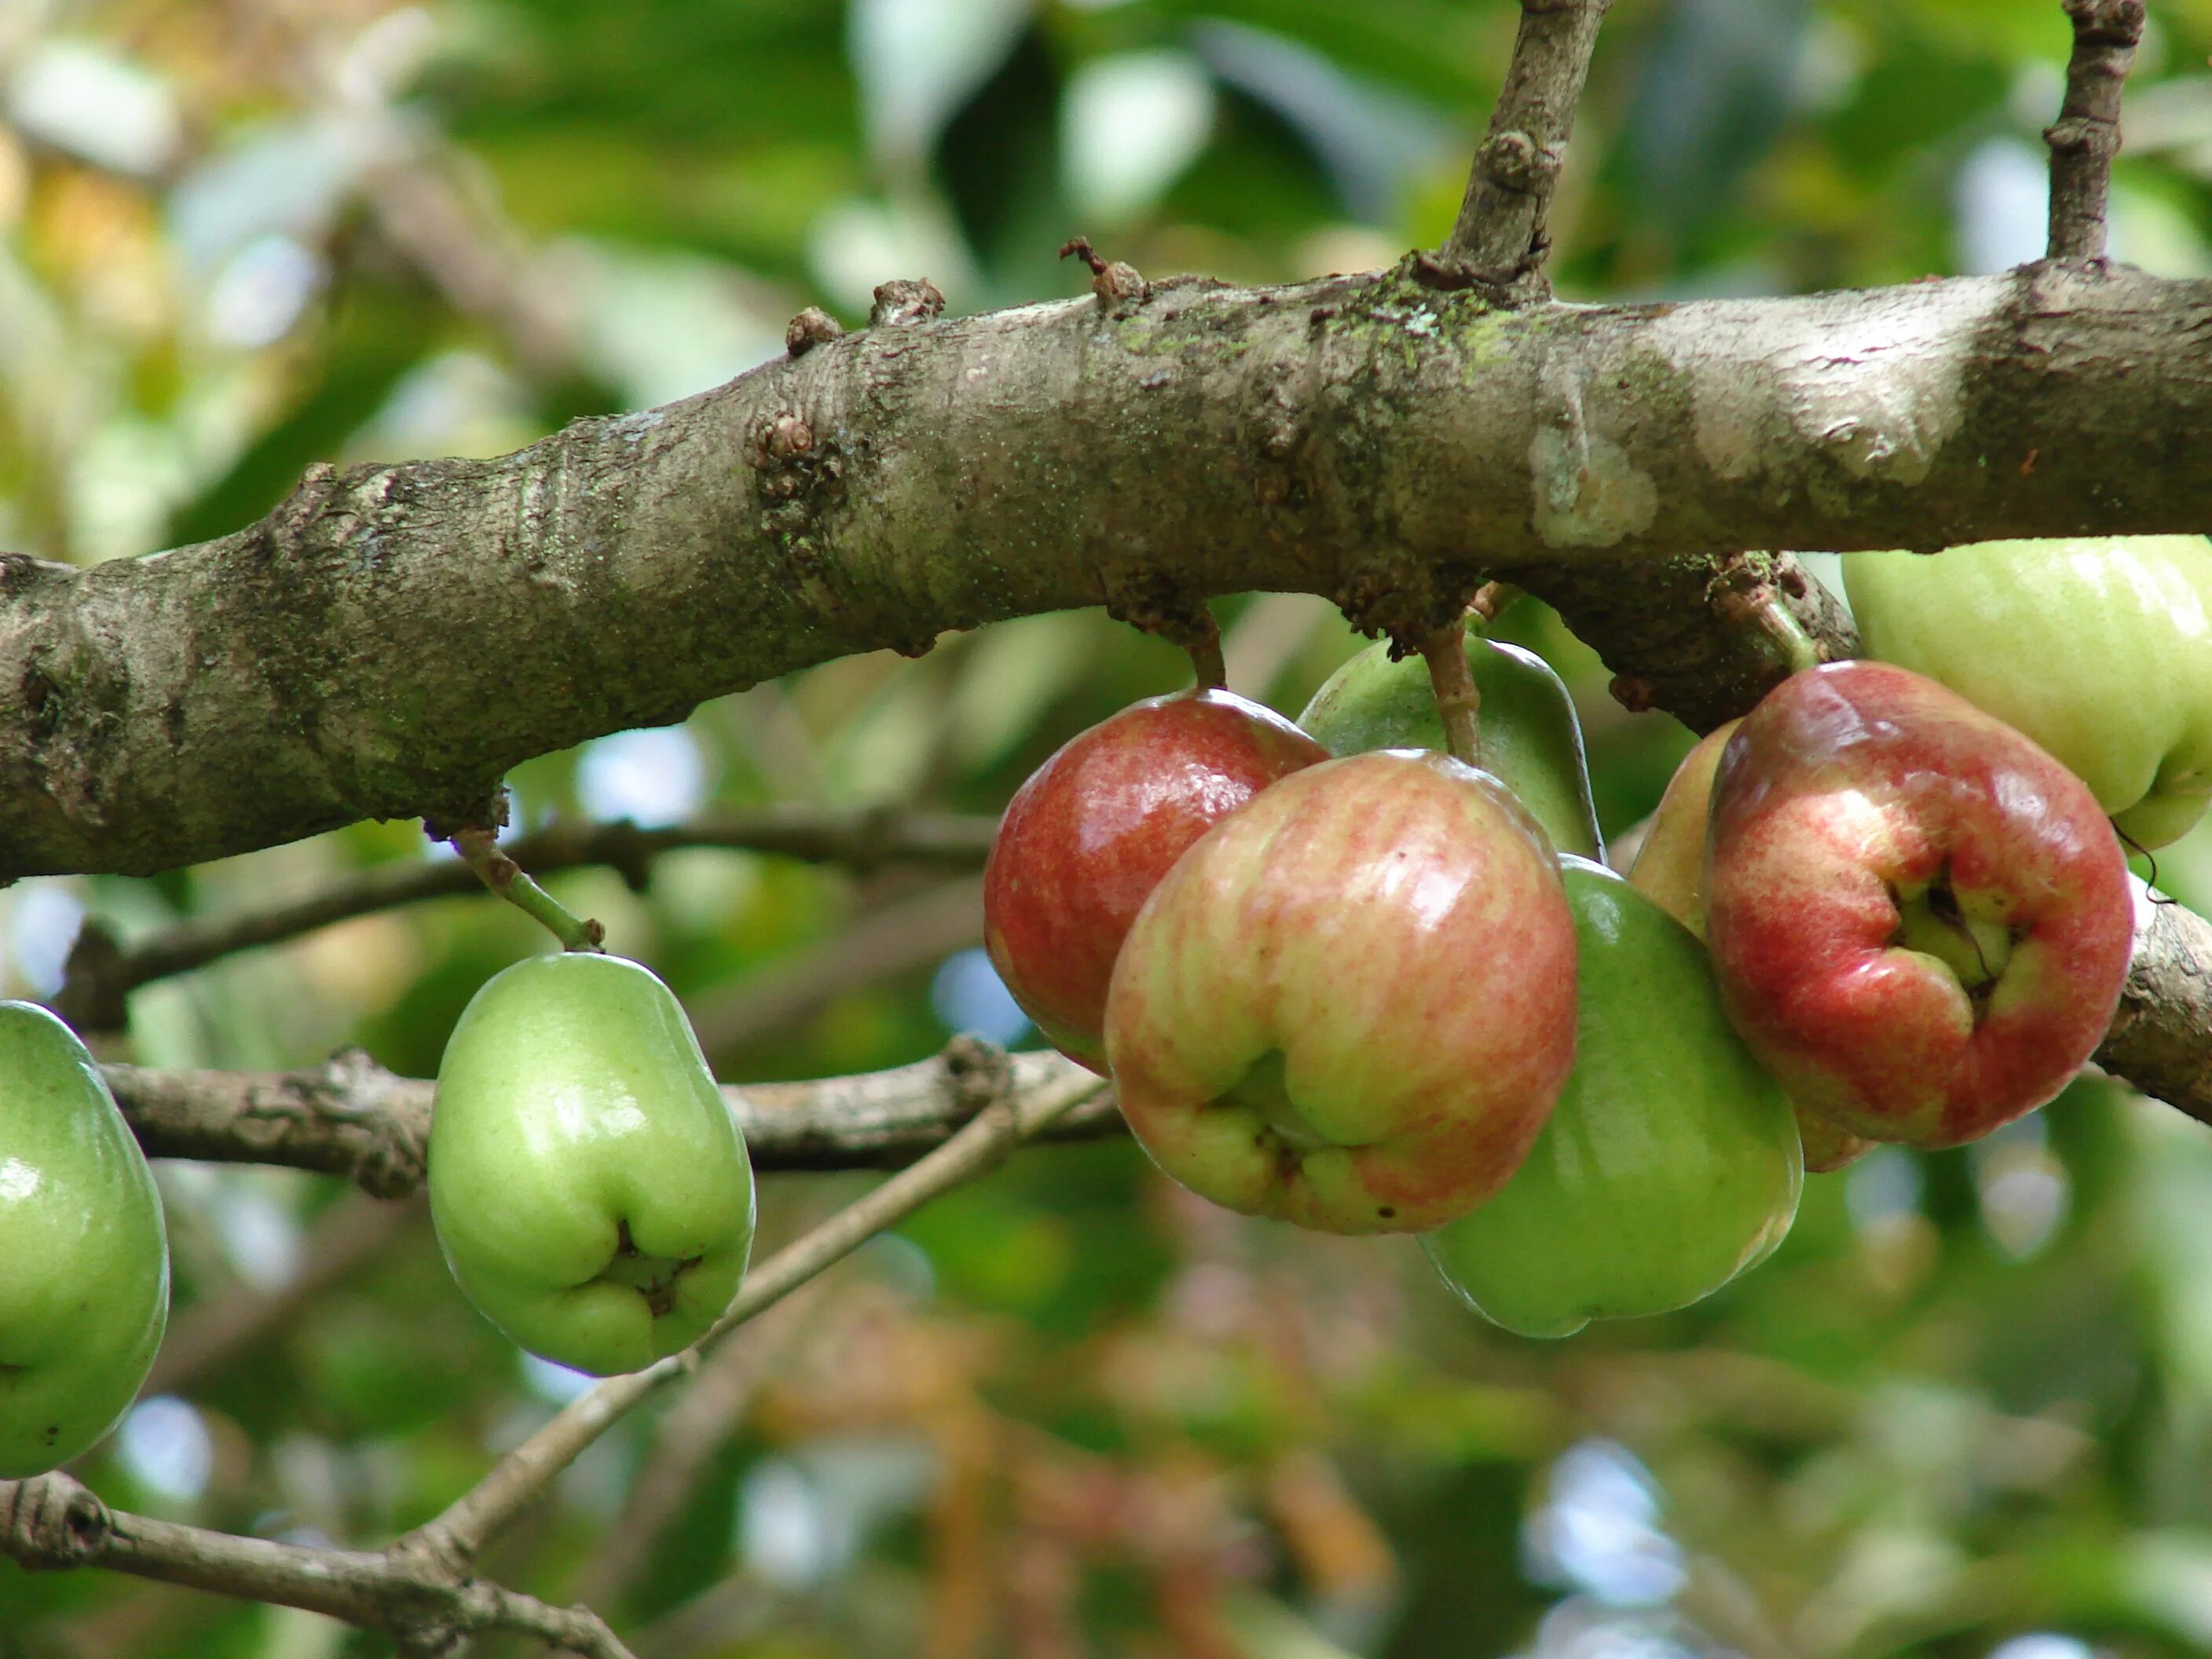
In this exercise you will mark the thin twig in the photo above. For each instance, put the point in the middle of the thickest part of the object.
(2087, 135)
(480, 851)
(54, 1522)
(351, 1117)
(101, 973)
(1206, 661)
(1500, 239)
(456, 1536)
(1459, 705)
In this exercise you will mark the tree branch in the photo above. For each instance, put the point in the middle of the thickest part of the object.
(54, 1522)
(456, 1537)
(101, 972)
(351, 1117)
(2087, 135)
(1498, 243)
(1363, 438)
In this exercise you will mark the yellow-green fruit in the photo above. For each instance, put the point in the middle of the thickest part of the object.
(1670, 1163)
(84, 1260)
(2100, 649)
(590, 1191)
(1532, 741)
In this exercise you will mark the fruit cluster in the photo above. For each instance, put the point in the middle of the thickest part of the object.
(1342, 979)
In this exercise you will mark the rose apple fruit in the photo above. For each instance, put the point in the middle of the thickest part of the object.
(2100, 649)
(1670, 1163)
(1352, 1004)
(1919, 920)
(590, 1188)
(1088, 837)
(84, 1260)
(1532, 741)
(1669, 867)
(1670, 870)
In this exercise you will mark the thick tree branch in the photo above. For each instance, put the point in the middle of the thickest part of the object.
(54, 1522)
(1500, 242)
(101, 972)
(2087, 135)
(351, 1117)
(356, 653)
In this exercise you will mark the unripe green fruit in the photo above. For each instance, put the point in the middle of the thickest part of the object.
(1532, 741)
(2100, 649)
(1670, 1163)
(84, 1260)
(590, 1191)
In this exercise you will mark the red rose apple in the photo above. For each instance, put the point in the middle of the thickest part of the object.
(1089, 836)
(1351, 1005)
(1919, 920)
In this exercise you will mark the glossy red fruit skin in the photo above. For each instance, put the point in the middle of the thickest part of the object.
(1854, 783)
(1088, 837)
(1389, 931)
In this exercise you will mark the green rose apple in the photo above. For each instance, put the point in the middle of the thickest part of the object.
(84, 1260)
(1670, 1163)
(590, 1191)
(2099, 649)
(1531, 741)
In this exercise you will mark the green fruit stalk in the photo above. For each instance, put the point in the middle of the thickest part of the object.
(591, 1190)
(84, 1260)
(2101, 650)
(1532, 741)
(1670, 1163)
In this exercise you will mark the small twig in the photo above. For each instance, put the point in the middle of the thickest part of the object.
(456, 1537)
(101, 972)
(352, 1118)
(1459, 705)
(479, 850)
(54, 1522)
(686, 1437)
(1499, 241)
(2087, 135)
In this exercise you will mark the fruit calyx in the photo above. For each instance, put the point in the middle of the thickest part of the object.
(1267, 1092)
(1933, 921)
(654, 1278)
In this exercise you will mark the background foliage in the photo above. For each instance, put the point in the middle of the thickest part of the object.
(1966, 1411)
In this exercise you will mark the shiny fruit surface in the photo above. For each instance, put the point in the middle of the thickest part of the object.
(1670, 1163)
(590, 1191)
(1352, 1005)
(84, 1260)
(1532, 741)
(2098, 648)
(1088, 835)
(1920, 921)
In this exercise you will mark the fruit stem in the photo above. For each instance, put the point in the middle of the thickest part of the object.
(1459, 705)
(480, 850)
(1490, 598)
(1206, 659)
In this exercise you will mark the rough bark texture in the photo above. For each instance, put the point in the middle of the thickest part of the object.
(391, 639)
(2161, 1038)
(353, 1118)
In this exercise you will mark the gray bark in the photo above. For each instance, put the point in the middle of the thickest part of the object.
(391, 639)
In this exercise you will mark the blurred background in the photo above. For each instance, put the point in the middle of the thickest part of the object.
(1966, 1411)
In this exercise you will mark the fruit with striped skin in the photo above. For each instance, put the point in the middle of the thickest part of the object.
(2100, 649)
(1670, 1164)
(590, 1188)
(84, 1292)
(1352, 1004)
(1088, 837)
